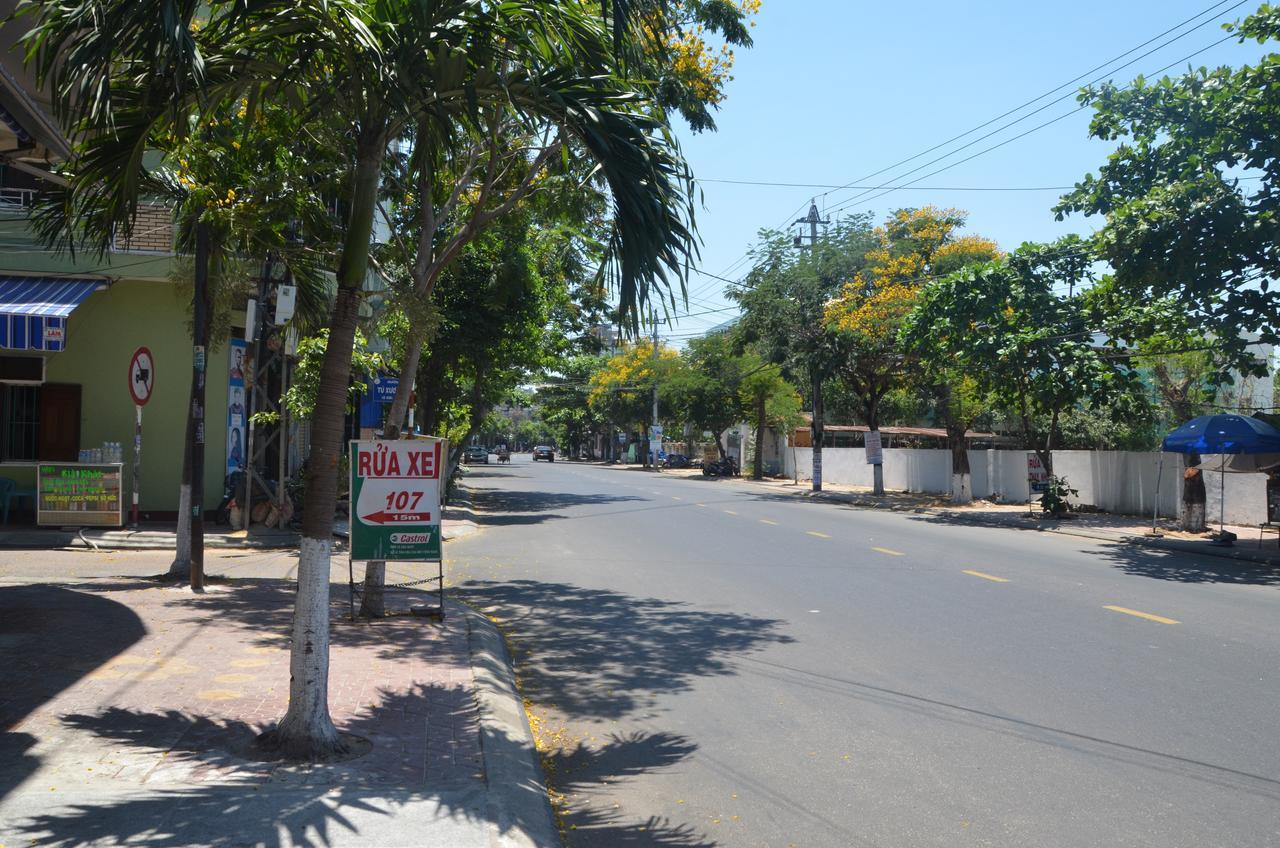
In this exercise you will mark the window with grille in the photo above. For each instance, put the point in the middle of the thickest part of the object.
(21, 423)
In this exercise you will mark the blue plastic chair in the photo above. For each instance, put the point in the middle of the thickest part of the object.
(8, 491)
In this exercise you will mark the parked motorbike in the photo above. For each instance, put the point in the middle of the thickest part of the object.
(676, 460)
(727, 467)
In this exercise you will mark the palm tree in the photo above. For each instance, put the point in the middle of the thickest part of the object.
(122, 72)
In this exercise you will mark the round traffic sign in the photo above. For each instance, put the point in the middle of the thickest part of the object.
(142, 376)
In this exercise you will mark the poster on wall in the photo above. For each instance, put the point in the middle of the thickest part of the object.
(236, 405)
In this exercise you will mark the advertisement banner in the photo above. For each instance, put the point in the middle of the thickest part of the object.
(395, 499)
(236, 400)
(875, 453)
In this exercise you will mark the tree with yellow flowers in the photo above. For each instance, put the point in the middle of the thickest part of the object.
(911, 247)
(622, 391)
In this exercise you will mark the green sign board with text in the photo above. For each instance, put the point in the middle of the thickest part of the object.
(73, 494)
(395, 499)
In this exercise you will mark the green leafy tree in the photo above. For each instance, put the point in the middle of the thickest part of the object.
(768, 400)
(622, 391)
(1190, 195)
(1018, 340)
(564, 406)
(120, 74)
(703, 388)
(912, 246)
(783, 300)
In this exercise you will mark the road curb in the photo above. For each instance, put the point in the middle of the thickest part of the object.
(520, 807)
(1062, 529)
(1177, 545)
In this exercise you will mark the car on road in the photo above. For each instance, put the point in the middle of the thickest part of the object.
(475, 453)
(544, 452)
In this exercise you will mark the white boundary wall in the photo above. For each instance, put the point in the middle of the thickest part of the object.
(1122, 482)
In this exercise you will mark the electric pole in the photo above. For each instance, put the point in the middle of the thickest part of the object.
(653, 429)
(813, 220)
(815, 375)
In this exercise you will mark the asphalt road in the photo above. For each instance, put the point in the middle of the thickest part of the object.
(726, 666)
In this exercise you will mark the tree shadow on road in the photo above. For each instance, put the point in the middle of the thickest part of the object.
(603, 654)
(579, 769)
(1188, 567)
(505, 500)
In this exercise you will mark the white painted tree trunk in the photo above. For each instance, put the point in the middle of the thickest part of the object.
(181, 565)
(306, 729)
(961, 489)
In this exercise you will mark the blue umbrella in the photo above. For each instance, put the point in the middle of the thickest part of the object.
(1223, 434)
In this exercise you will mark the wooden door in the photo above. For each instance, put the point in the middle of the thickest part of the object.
(59, 423)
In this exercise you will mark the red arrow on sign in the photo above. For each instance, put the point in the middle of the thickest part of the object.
(384, 517)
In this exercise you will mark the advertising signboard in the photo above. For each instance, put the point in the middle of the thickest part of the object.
(875, 452)
(76, 494)
(395, 499)
(1037, 476)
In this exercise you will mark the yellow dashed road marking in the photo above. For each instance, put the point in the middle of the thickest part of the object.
(990, 577)
(730, 512)
(767, 521)
(816, 533)
(1159, 619)
(888, 551)
(676, 498)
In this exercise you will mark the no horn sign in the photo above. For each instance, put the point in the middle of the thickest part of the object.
(395, 499)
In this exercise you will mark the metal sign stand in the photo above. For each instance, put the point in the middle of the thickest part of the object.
(142, 380)
(355, 589)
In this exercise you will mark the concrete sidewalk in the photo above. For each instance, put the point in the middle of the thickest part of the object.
(128, 709)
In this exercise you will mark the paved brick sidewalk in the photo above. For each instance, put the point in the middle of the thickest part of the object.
(129, 709)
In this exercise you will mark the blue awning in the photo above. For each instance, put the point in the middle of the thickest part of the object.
(34, 310)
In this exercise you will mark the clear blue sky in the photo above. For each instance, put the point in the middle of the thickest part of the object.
(837, 89)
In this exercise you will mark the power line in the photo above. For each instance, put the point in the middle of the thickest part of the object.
(856, 199)
(876, 187)
(1215, 7)
(1059, 99)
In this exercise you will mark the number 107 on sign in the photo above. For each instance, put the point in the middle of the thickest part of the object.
(395, 499)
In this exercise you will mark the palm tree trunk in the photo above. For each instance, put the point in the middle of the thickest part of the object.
(307, 731)
(202, 313)
(180, 568)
